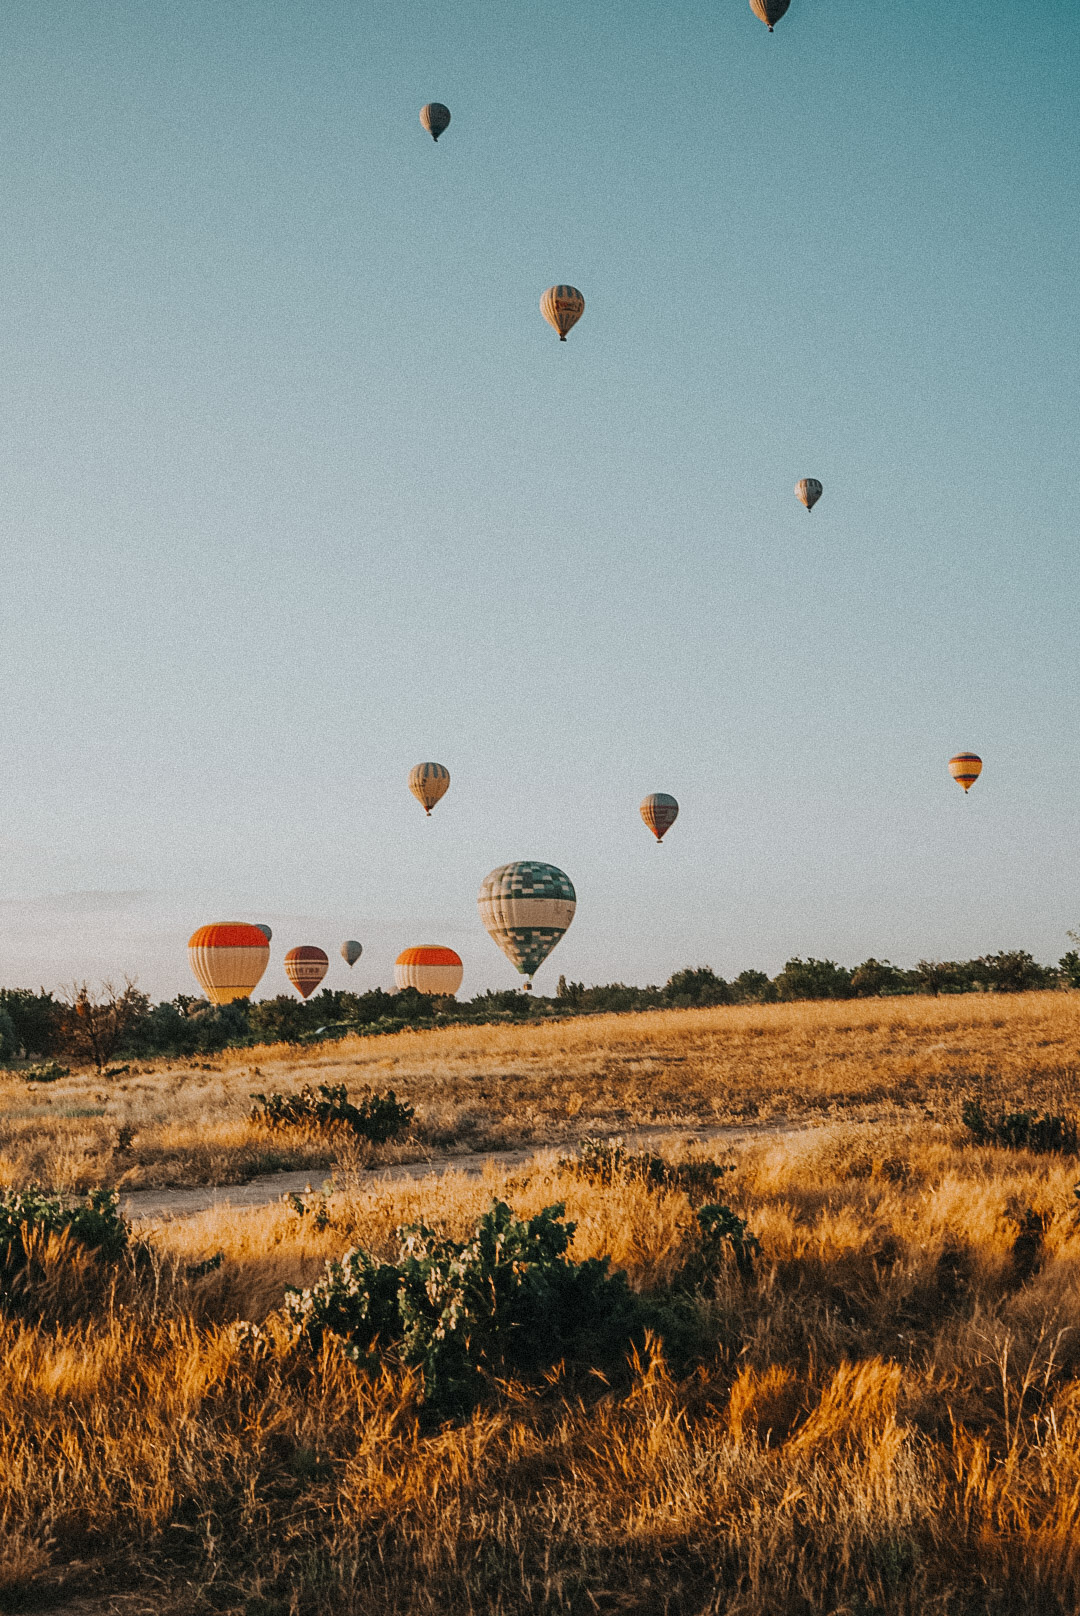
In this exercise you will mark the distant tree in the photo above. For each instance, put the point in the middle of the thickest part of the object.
(940, 976)
(1069, 966)
(697, 986)
(36, 1017)
(570, 993)
(1014, 971)
(95, 1026)
(754, 987)
(813, 979)
(874, 979)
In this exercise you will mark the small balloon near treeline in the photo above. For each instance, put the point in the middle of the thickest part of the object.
(429, 783)
(659, 811)
(435, 119)
(965, 769)
(770, 11)
(228, 959)
(562, 308)
(429, 969)
(351, 952)
(305, 967)
(808, 491)
(526, 908)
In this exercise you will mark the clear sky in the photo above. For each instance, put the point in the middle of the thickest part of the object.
(298, 489)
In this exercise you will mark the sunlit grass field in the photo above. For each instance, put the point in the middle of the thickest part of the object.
(490, 1088)
(885, 1417)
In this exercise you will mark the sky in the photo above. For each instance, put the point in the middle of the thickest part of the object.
(298, 489)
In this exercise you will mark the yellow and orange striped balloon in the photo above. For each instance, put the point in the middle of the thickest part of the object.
(965, 769)
(228, 959)
(429, 969)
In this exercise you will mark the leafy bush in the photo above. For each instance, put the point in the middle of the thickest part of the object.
(602, 1161)
(46, 1072)
(876, 978)
(1014, 971)
(1021, 1130)
(813, 979)
(754, 987)
(505, 1301)
(96, 1225)
(700, 986)
(378, 1118)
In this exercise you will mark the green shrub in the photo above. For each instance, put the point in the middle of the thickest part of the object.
(507, 1300)
(95, 1224)
(378, 1118)
(1021, 1130)
(46, 1072)
(602, 1161)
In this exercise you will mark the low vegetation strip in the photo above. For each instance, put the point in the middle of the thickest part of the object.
(474, 1089)
(878, 1411)
(96, 1028)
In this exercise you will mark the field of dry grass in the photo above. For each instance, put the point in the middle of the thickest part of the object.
(886, 1418)
(486, 1088)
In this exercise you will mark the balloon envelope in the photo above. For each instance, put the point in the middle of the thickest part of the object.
(305, 967)
(429, 782)
(965, 769)
(770, 11)
(526, 907)
(429, 969)
(809, 491)
(659, 811)
(435, 119)
(351, 952)
(267, 933)
(228, 959)
(562, 308)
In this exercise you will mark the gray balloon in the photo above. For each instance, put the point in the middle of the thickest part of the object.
(351, 952)
(267, 933)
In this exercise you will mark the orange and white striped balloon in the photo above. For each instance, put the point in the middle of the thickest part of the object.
(305, 967)
(965, 769)
(562, 308)
(429, 969)
(228, 959)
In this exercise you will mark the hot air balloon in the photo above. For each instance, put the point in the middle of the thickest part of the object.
(305, 967)
(659, 811)
(808, 490)
(770, 11)
(267, 933)
(228, 959)
(351, 952)
(435, 119)
(526, 907)
(562, 308)
(965, 769)
(429, 969)
(428, 782)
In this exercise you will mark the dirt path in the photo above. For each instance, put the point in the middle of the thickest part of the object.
(185, 1203)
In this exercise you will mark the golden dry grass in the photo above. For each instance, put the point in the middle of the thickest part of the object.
(886, 1420)
(485, 1088)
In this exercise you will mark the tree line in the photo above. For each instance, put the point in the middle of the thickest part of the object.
(111, 1024)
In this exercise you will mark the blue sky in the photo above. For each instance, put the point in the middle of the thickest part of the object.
(297, 488)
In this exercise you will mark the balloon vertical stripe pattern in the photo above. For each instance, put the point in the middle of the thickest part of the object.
(659, 811)
(429, 783)
(562, 308)
(770, 11)
(808, 491)
(435, 119)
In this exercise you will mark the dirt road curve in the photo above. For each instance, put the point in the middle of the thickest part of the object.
(185, 1203)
